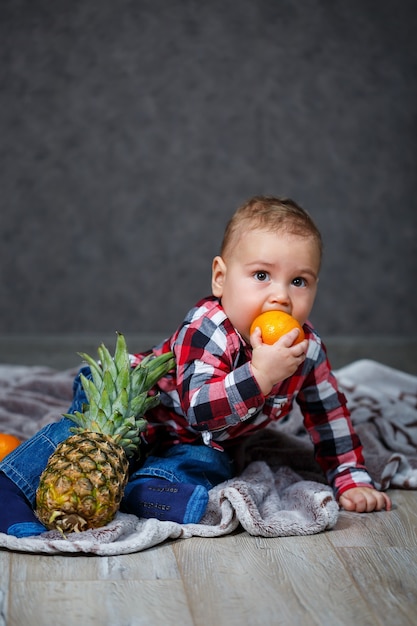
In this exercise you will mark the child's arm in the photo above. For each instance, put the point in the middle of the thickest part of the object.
(364, 500)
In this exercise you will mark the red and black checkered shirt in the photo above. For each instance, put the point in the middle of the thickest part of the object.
(213, 397)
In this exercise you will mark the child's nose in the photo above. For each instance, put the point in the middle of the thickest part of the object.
(279, 295)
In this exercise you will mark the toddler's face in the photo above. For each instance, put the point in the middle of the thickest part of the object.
(267, 271)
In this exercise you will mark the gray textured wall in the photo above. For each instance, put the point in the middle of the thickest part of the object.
(131, 130)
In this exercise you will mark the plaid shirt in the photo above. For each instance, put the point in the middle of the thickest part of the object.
(213, 397)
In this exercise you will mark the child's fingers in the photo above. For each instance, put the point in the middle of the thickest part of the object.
(387, 504)
(364, 500)
(256, 338)
(358, 503)
(347, 504)
(289, 338)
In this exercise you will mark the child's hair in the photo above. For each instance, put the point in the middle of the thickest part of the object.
(270, 213)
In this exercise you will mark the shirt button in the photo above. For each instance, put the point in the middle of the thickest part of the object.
(252, 411)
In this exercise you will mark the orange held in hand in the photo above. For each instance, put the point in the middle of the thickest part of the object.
(274, 324)
(7, 444)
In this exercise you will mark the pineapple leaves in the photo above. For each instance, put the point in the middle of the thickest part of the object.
(123, 380)
(107, 362)
(105, 404)
(91, 390)
(121, 355)
(110, 386)
(95, 368)
(158, 367)
(119, 395)
(121, 404)
(139, 376)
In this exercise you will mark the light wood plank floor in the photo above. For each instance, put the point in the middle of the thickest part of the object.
(363, 572)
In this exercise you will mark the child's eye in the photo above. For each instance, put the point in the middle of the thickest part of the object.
(299, 282)
(261, 276)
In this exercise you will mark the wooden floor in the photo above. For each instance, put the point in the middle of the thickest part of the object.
(363, 572)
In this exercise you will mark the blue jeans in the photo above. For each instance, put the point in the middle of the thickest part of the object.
(25, 464)
(196, 464)
(186, 463)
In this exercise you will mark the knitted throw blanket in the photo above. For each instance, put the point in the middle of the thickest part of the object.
(279, 490)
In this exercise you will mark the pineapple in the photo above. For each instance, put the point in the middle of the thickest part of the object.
(83, 483)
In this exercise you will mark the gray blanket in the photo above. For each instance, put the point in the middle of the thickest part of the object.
(279, 491)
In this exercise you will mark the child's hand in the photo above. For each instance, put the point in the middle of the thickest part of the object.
(273, 363)
(364, 500)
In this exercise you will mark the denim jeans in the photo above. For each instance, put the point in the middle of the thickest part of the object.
(185, 463)
(25, 464)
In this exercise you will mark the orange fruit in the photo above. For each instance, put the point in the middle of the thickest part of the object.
(7, 444)
(274, 324)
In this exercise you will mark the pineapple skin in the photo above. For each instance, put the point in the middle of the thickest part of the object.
(83, 483)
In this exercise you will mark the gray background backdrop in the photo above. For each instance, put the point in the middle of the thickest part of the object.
(131, 130)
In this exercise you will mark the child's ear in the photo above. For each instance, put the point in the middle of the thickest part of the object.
(218, 274)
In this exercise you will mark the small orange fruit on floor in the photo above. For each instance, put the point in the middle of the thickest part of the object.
(7, 444)
(274, 324)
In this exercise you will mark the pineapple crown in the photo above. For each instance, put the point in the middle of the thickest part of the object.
(118, 394)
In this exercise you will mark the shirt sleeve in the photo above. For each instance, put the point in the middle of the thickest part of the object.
(216, 387)
(338, 449)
